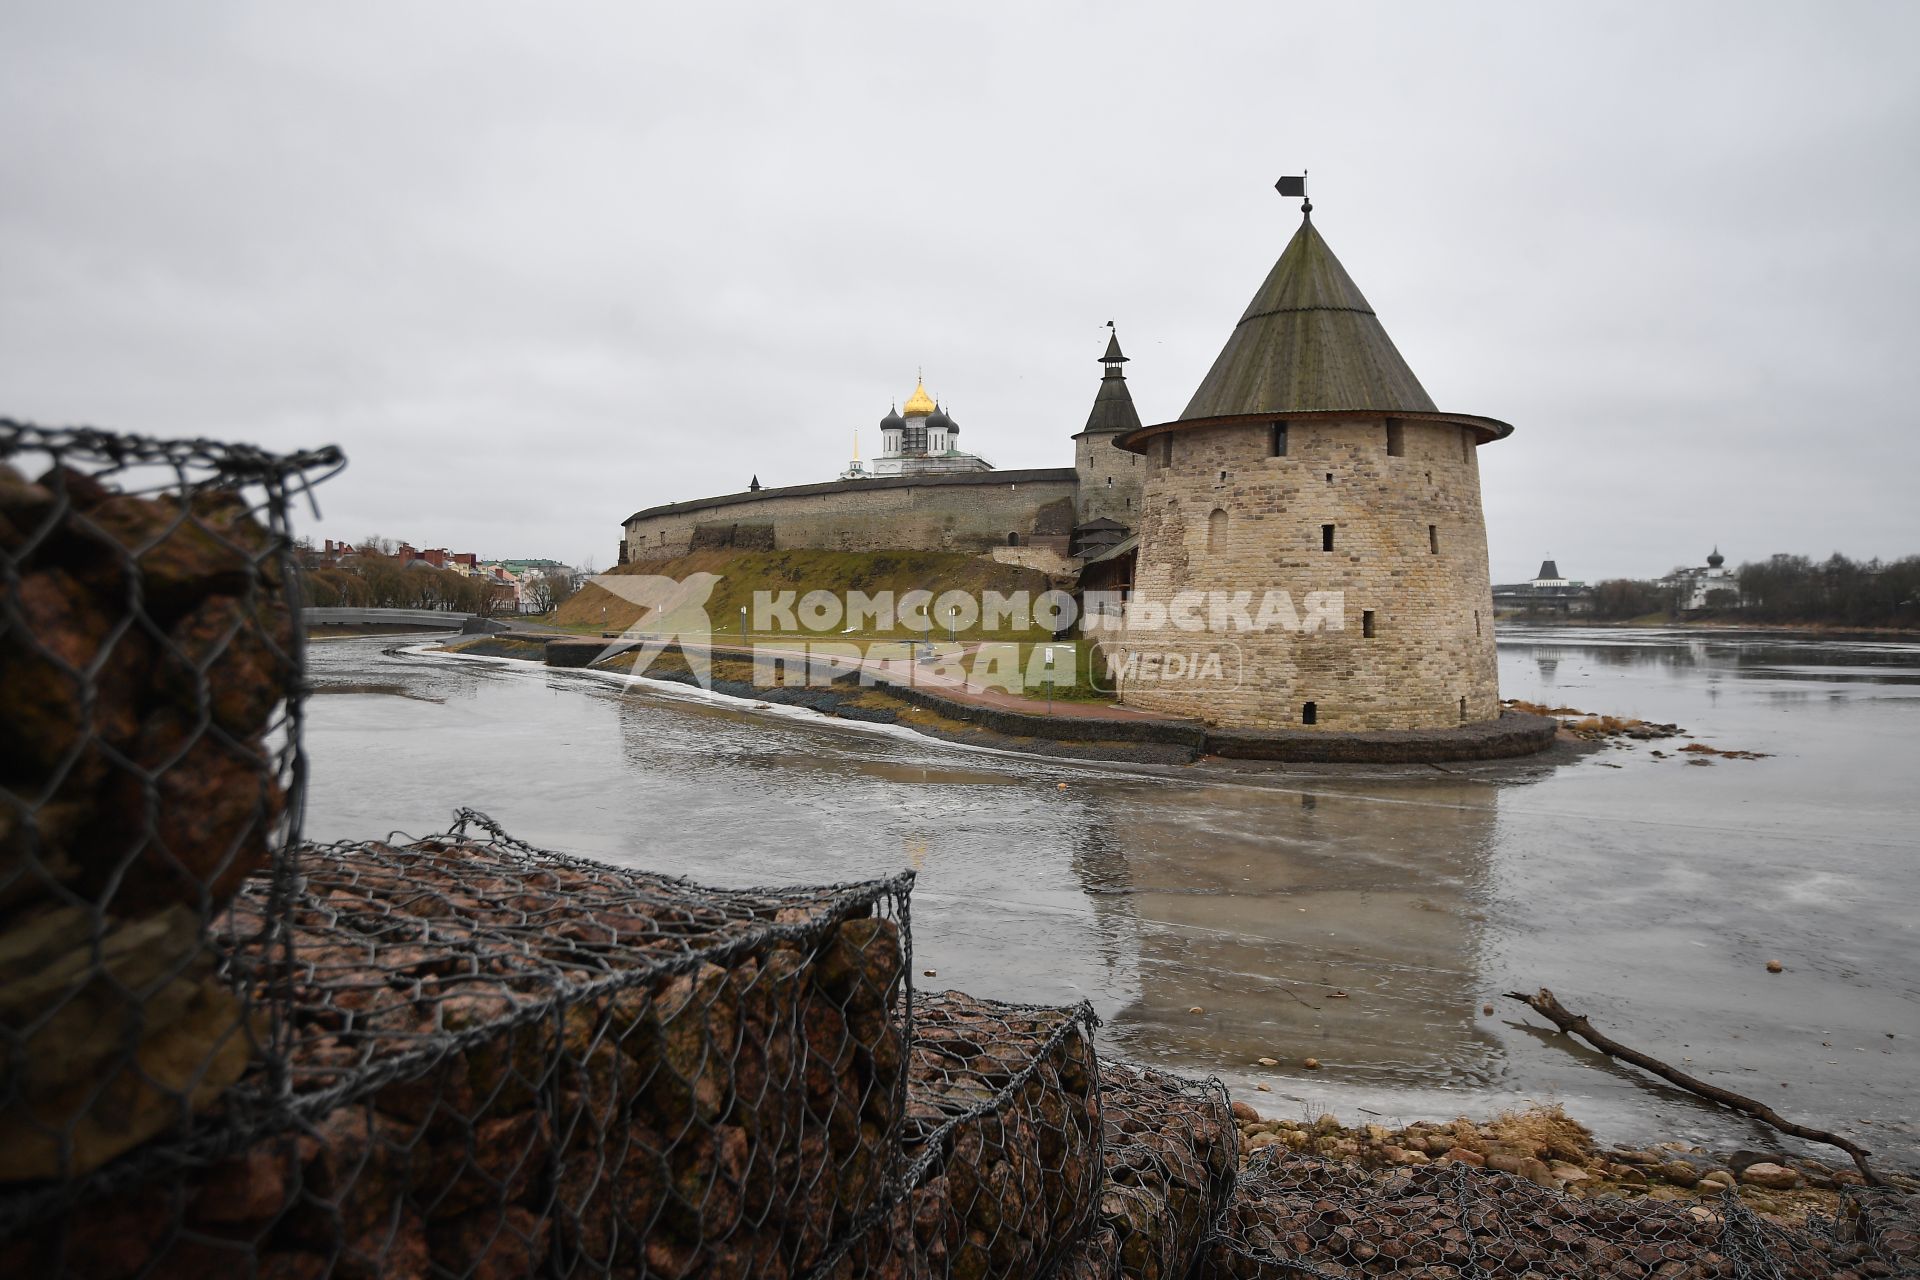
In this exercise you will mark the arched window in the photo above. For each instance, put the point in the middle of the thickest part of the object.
(1217, 530)
(1013, 539)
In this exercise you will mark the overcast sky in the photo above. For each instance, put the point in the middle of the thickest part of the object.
(537, 266)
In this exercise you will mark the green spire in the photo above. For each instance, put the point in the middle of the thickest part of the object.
(1308, 341)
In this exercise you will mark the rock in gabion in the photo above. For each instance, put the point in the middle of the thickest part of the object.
(1170, 1153)
(505, 1062)
(1003, 1135)
(147, 654)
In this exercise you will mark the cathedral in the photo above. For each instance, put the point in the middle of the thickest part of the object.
(918, 439)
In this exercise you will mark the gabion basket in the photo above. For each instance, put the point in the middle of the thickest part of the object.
(150, 680)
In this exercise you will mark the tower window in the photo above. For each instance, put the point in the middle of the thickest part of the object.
(1223, 477)
(1396, 438)
(1109, 482)
(1466, 444)
(1277, 440)
(1329, 477)
(1366, 623)
(1326, 537)
(1476, 622)
(1463, 708)
(1216, 530)
(1433, 539)
(1309, 713)
(1166, 451)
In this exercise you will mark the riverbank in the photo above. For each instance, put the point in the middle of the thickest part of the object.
(1080, 731)
(1551, 1149)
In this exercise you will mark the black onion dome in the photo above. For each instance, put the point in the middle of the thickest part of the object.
(893, 421)
(939, 421)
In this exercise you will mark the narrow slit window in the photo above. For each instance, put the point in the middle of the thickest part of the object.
(1166, 451)
(1396, 438)
(1223, 477)
(1466, 445)
(1217, 530)
(1310, 713)
(1326, 537)
(1277, 441)
(1433, 539)
(1366, 623)
(1476, 622)
(1463, 708)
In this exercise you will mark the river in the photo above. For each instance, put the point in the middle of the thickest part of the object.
(1360, 921)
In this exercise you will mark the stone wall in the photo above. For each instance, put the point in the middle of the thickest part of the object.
(1109, 479)
(971, 512)
(1409, 547)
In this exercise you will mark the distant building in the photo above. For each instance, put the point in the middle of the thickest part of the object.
(1547, 592)
(1711, 586)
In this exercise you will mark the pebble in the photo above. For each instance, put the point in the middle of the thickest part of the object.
(1269, 1062)
(1263, 1088)
(1197, 1009)
(1311, 1064)
(1063, 786)
(1774, 966)
(1487, 1009)
(929, 973)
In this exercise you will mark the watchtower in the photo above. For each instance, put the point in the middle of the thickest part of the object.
(1312, 462)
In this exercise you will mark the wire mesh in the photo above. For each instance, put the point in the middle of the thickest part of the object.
(1295, 1216)
(1170, 1153)
(504, 1061)
(1003, 1144)
(150, 673)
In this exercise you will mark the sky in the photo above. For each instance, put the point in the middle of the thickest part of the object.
(535, 267)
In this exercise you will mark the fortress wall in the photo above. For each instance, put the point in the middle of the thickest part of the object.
(1429, 649)
(929, 514)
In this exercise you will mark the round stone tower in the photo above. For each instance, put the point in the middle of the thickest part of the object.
(1312, 552)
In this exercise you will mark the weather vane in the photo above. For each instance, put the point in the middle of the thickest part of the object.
(1296, 187)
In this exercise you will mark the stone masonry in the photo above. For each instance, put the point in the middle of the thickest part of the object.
(972, 512)
(1432, 641)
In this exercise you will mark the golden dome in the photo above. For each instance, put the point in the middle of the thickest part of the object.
(919, 404)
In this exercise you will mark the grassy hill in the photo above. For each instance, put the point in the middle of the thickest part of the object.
(742, 573)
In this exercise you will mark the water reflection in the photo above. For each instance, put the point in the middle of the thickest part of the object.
(1654, 891)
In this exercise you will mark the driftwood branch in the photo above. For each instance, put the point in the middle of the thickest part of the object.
(1544, 1004)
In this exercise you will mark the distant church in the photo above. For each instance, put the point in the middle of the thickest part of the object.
(919, 439)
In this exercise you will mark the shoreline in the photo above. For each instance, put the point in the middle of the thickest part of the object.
(1825, 630)
(852, 708)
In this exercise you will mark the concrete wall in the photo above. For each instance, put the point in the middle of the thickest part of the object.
(1109, 479)
(1433, 612)
(970, 513)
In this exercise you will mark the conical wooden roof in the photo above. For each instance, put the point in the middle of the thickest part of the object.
(1308, 341)
(1113, 404)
